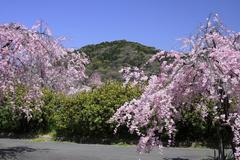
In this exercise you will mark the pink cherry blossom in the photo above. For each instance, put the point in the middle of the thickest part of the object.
(36, 60)
(209, 69)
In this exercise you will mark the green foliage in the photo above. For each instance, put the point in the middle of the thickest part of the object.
(12, 119)
(50, 100)
(192, 127)
(8, 118)
(108, 58)
(83, 117)
(80, 117)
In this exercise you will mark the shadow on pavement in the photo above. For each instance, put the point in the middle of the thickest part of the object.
(11, 153)
(176, 159)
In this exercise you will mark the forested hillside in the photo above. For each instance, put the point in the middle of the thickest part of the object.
(108, 58)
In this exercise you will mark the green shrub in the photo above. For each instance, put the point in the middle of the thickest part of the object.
(8, 119)
(193, 128)
(83, 117)
(13, 120)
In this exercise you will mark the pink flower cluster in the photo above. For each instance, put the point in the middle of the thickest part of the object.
(133, 75)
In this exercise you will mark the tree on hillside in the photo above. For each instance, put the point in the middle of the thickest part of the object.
(209, 72)
(35, 60)
(107, 58)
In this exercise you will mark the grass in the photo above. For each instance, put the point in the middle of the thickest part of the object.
(44, 137)
(40, 140)
(198, 145)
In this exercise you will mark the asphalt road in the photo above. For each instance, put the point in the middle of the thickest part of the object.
(15, 149)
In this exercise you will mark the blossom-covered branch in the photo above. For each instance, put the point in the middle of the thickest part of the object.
(36, 60)
(210, 70)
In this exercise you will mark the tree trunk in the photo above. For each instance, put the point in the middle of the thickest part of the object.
(221, 153)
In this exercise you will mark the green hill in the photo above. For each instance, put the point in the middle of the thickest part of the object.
(108, 58)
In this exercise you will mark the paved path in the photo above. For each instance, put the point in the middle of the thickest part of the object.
(15, 149)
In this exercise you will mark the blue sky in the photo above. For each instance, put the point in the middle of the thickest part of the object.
(157, 23)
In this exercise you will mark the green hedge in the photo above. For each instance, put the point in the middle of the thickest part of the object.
(83, 117)
(192, 128)
(13, 120)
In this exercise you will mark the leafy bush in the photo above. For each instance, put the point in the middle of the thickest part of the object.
(193, 128)
(14, 120)
(7, 118)
(83, 117)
